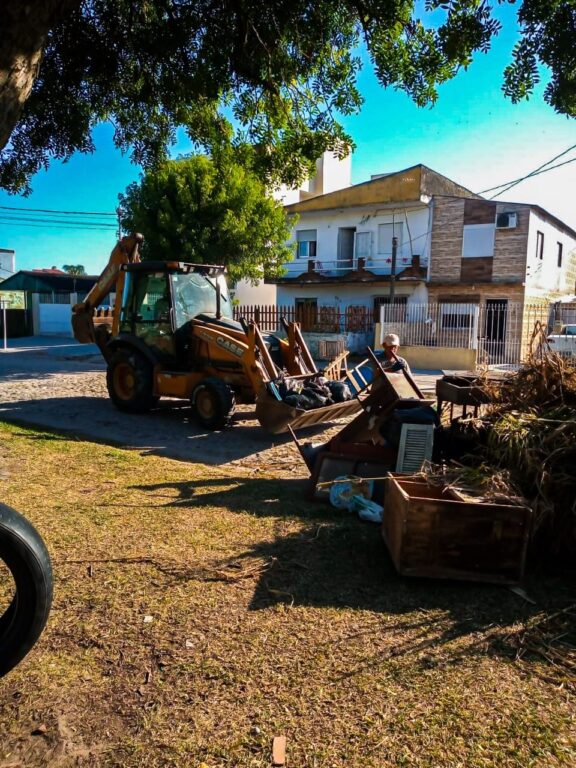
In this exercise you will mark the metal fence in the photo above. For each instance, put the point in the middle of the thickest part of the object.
(500, 330)
(56, 297)
(314, 319)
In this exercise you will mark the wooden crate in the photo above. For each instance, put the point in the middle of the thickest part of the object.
(433, 532)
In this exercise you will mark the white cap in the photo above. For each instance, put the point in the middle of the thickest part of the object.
(391, 340)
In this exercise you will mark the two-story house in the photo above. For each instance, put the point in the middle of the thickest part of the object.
(344, 241)
(416, 238)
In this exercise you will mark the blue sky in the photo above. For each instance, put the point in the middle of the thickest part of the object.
(473, 135)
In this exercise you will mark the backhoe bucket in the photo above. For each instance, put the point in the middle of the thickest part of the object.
(82, 324)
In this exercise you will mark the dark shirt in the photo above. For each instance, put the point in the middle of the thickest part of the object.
(393, 366)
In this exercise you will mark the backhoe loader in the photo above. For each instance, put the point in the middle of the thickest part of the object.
(171, 334)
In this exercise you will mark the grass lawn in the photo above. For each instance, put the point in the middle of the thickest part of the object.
(201, 611)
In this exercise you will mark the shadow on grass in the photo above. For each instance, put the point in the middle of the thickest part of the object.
(262, 497)
(169, 430)
(337, 561)
(345, 564)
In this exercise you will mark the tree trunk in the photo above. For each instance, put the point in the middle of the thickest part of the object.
(24, 30)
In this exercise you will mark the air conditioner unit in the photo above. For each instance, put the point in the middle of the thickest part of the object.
(507, 220)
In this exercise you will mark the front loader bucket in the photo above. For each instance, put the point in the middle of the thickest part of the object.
(276, 416)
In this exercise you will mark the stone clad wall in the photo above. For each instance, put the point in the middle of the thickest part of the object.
(508, 265)
(510, 246)
(446, 241)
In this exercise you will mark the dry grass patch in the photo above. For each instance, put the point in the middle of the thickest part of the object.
(199, 612)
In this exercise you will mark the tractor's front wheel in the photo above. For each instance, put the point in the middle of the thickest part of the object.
(129, 381)
(214, 403)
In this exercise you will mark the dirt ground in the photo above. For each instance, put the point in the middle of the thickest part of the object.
(59, 388)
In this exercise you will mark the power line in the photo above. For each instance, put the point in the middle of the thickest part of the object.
(48, 210)
(535, 172)
(531, 175)
(91, 228)
(53, 222)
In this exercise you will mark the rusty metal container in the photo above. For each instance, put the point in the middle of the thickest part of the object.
(461, 390)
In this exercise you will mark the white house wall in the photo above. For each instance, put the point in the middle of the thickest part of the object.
(415, 237)
(349, 294)
(332, 173)
(245, 293)
(544, 276)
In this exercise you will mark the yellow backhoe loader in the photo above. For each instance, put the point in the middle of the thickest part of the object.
(171, 334)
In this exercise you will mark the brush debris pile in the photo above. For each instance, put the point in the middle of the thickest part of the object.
(532, 443)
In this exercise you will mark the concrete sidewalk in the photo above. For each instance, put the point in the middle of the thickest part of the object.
(54, 346)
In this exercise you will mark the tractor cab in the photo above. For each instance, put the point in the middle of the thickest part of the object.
(160, 299)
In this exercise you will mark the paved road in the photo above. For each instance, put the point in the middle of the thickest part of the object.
(59, 384)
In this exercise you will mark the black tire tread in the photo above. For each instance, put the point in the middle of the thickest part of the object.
(225, 403)
(26, 557)
(143, 399)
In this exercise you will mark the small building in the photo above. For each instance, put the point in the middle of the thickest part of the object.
(47, 297)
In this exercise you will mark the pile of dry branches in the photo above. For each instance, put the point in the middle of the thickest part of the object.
(532, 438)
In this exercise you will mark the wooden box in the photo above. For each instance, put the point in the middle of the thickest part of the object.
(433, 532)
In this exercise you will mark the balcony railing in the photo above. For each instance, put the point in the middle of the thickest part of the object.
(341, 268)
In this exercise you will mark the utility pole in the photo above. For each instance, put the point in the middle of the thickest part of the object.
(119, 216)
(3, 305)
(393, 271)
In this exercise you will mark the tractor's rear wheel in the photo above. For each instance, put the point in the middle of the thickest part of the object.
(129, 381)
(214, 403)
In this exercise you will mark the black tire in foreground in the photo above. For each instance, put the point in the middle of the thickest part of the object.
(214, 403)
(129, 381)
(24, 555)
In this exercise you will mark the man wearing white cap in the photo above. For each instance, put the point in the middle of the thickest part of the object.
(392, 362)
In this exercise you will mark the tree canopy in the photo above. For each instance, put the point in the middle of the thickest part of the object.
(74, 269)
(207, 211)
(272, 73)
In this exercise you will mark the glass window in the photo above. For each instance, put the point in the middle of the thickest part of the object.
(478, 240)
(306, 243)
(145, 296)
(457, 317)
(394, 313)
(385, 234)
(540, 245)
(195, 293)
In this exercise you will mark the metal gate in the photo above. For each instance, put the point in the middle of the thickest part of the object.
(500, 330)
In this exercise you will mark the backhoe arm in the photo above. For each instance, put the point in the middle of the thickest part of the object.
(125, 252)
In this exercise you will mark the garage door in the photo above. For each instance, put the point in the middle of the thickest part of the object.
(54, 320)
